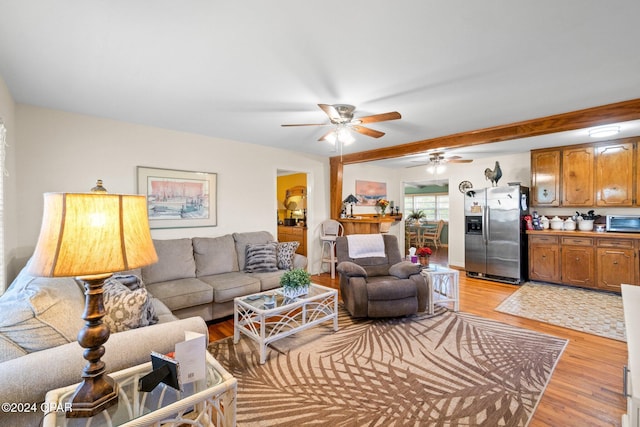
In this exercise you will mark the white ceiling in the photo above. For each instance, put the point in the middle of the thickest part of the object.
(239, 69)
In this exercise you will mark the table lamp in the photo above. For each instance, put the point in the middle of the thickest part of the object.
(350, 200)
(90, 236)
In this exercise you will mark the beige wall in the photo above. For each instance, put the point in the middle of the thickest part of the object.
(60, 151)
(7, 115)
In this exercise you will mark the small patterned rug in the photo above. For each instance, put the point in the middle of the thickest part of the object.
(452, 369)
(593, 312)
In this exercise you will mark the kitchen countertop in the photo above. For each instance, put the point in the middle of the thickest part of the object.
(584, 233)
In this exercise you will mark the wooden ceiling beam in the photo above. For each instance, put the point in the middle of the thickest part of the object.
(589, 117)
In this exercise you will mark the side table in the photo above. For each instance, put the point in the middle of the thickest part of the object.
(443, 285)
(208, 402)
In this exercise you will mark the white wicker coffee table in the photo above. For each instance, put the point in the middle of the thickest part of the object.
(266, 325)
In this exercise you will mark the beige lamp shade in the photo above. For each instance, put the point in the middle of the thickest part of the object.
(86, 234)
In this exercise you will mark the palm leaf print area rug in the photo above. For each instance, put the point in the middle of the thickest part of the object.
(447, 369)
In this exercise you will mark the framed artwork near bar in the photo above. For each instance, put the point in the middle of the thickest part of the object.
(369, 192)
(177, 198)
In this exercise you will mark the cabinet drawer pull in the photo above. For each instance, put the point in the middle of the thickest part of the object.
(615, 262)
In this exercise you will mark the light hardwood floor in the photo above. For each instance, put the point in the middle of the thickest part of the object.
(586, 387)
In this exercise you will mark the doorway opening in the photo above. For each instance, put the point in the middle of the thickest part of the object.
(426, 207)
(292, 208)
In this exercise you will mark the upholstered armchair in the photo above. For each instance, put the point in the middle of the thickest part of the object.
(375, 281)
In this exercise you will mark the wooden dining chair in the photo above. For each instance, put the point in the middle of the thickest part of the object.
(433, 236)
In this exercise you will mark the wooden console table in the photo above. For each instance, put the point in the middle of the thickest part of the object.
(368, 223)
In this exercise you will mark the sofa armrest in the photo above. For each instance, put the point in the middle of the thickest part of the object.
(299, 261)
(351, 269)
(27, 379)
(404, 269)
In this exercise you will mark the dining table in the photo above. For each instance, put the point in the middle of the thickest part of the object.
(417, 232)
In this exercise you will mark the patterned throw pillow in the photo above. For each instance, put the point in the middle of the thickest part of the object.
(134, 282)
(261, 258)
(285, 253)
(126, 309)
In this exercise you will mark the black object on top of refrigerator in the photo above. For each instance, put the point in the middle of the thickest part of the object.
(495, 236)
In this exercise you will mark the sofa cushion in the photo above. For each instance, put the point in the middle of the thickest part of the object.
(285, 251)
(181, 293)
(244, 239)
(391, 290)
(215, 255)
(269, 280)
(37, 313)
(261, 258)
(162, 311)
(175, 261)
(228, 286)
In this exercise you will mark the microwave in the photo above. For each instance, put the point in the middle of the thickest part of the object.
(623, 223)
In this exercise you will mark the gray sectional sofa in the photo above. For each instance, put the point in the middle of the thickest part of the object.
(201, 276)
(195, 279)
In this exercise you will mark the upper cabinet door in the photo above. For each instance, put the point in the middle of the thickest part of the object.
(577, 176)
(615, 174)
(545, 178)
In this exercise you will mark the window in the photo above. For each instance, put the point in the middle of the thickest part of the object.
(434, 205)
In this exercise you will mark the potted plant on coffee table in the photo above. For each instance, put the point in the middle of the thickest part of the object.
(295, 283)
(423, 255)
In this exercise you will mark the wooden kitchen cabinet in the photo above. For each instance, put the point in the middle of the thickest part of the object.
(577, 176)
(604, 174)
(294, 234)
(578, 261)
(616, 263)
(615, 173)
(545, 178)
(585, 258)
(544, 259)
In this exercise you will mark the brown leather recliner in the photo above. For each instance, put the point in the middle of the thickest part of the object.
(380, 286)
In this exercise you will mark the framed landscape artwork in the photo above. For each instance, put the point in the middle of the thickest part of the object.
(178, 198)
(369, 192)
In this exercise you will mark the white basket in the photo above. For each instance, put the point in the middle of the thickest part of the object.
(295, 292)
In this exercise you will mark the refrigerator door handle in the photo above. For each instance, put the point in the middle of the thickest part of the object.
(485, 226)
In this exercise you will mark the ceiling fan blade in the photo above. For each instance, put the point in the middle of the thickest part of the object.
(380, 117)
(325, 137)
(450, 160)
(308, 124)
(367, 131)
(330, 110)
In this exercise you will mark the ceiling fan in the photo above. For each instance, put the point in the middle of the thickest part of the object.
(341, 116)
(439, 158)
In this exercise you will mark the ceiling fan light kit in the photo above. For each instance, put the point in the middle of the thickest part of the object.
(341, 117)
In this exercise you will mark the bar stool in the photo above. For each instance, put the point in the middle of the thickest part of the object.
(329, 231)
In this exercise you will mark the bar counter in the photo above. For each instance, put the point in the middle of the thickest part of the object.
(369, 223)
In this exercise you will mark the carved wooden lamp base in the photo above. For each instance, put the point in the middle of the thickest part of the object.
(97, 391)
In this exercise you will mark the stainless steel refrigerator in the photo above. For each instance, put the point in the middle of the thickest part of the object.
(495, 237)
